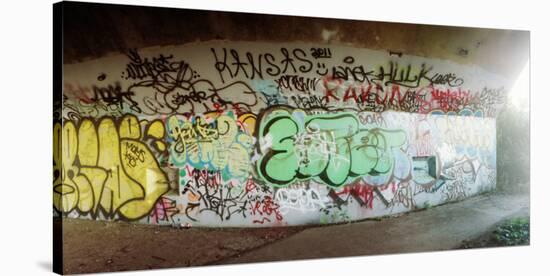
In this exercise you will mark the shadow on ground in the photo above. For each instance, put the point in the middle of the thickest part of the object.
(95, 246)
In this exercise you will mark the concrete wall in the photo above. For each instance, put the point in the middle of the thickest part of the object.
(94, 30)
(242, 133)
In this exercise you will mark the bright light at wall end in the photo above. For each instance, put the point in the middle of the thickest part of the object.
(519, 95)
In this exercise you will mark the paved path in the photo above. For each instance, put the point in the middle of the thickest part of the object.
(439, 228)
(95, 246)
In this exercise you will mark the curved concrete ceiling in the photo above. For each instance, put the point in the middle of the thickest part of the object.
(99, 30)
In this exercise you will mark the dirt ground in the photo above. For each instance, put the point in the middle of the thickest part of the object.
(489, 238)
(444, 227)
(95, 246)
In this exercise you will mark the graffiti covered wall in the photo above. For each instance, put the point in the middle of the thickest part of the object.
(270, 134)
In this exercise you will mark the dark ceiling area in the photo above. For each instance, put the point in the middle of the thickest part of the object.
(95, 30)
